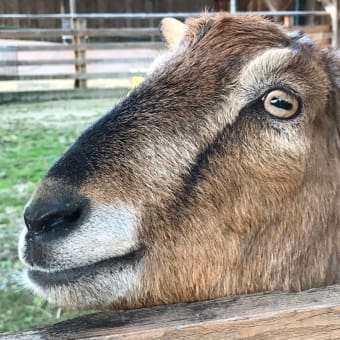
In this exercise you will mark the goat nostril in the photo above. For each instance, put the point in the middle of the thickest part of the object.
(72, 216)
(53, 219)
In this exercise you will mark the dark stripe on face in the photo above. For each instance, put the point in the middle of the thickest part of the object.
(223, 143)
(201, 163)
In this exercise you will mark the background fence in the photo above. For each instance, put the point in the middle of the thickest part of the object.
(75, 51)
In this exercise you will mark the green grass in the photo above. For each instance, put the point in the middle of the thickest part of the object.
(28, 147)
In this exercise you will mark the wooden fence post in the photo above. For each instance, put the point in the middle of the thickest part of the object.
(79, 26)
(332, 7)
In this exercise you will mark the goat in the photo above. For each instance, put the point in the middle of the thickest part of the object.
(217, 175)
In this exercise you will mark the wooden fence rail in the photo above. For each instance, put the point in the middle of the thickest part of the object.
(36, 62)
(35, 33)
(312, 314)
(91, 46)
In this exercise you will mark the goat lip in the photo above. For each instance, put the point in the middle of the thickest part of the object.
(46, 279)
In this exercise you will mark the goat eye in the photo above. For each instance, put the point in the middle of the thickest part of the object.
(281, 104)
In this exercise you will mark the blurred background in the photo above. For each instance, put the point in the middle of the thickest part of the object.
(63, 63)
(58, 45)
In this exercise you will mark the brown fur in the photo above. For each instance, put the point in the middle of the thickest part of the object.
(232, 201)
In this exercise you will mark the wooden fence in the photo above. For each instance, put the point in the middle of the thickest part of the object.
(73, 46)
(312, 314)
(92, 53)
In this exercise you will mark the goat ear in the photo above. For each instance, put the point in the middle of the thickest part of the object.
(172, 31)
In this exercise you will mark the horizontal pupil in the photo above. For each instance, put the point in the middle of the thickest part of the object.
(281, 103)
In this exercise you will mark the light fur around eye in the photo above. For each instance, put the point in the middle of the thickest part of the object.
(281, 104)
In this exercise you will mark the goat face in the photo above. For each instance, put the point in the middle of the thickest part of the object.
(213, 177)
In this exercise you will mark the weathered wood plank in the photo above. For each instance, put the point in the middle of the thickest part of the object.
(313, 314)
(312, 28)
(41, 62)
(97, 75)
(320, 35)
(55, 32)
(90, 46)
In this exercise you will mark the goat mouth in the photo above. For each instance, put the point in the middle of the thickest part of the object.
(64, 277)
